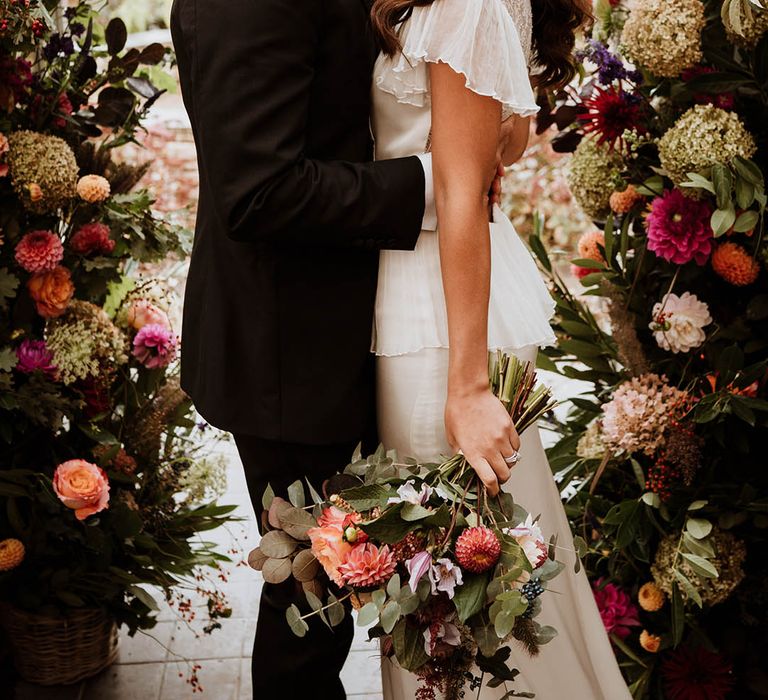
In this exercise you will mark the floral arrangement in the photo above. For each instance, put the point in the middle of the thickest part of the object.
(661, 462)
(104, 485)
(446, 575)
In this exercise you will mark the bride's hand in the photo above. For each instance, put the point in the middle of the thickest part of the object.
(478, 424)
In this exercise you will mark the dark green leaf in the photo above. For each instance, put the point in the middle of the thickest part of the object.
(470, 596)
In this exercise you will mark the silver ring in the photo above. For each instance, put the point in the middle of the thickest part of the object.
(513, 460)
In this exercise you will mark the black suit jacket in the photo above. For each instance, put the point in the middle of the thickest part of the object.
(279, 301)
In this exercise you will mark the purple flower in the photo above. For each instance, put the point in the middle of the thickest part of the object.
(610, 67)
(418, 567)
(34, 356)
(444, 576)
(155, 346)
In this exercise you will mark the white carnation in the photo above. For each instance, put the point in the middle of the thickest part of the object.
(678, 322)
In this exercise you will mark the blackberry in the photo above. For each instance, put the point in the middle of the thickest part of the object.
(532, 590)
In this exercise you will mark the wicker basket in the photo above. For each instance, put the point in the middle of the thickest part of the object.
(60, 650)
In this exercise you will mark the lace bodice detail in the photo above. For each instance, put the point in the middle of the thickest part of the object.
(522, 16)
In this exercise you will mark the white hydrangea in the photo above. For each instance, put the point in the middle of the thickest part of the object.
(205, 480)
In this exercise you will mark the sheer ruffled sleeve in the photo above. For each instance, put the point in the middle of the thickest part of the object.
(477, 38)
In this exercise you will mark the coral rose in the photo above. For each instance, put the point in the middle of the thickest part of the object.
(81, 486)
(330, 549)
(143, 313)
(51, 291)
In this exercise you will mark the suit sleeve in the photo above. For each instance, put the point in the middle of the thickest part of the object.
(251, 65)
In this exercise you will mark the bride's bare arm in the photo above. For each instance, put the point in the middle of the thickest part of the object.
(465, 138)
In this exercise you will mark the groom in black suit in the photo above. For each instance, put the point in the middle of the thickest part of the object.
(280, 296)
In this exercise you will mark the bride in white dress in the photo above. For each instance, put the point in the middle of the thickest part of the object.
(457, 69)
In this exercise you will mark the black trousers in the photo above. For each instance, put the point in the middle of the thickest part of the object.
(284, 666)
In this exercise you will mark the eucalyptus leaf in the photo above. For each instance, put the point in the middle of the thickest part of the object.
(296, 494)
(277, 544)
(276, 570)
(367, 615)
(390, 614)
(298, 626)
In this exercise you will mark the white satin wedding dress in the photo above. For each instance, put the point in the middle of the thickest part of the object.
(489, 42)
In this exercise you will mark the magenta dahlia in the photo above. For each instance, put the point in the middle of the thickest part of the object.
(617, 610)
(679, 228)
(34, 356)
(694, 673)
(155, 346)
(39, 251)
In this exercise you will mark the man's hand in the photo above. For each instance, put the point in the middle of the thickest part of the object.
(478, 424)
(513, 139)
(496, 188)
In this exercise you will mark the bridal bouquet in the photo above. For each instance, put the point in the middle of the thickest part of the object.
(444, 574)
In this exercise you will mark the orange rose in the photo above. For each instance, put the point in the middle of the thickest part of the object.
(81, 486)
(330, 550)
(51, 291)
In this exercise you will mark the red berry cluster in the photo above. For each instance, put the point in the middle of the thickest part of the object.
(662, 478)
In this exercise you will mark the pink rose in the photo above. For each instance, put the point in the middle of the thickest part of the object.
(330, 549)
(81, 486)
(143, 313)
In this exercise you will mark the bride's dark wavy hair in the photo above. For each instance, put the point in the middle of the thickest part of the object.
(555, 23)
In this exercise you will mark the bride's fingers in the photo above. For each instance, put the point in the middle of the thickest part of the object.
(500, 468)
(486, 473)
(514, 439)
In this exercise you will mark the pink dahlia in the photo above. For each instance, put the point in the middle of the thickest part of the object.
(39, 251)
(478, 549)
(367, 566)
(92, 238)
(155, 346)
(616, 608)
(34, 356)
(679, 228)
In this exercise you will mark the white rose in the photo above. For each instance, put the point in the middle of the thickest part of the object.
(678, 322)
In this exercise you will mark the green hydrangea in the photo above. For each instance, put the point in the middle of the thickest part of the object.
(664, 36)
(730, 554)
(46, 162)
(703, 136)
(85, 343)
(594, 173)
